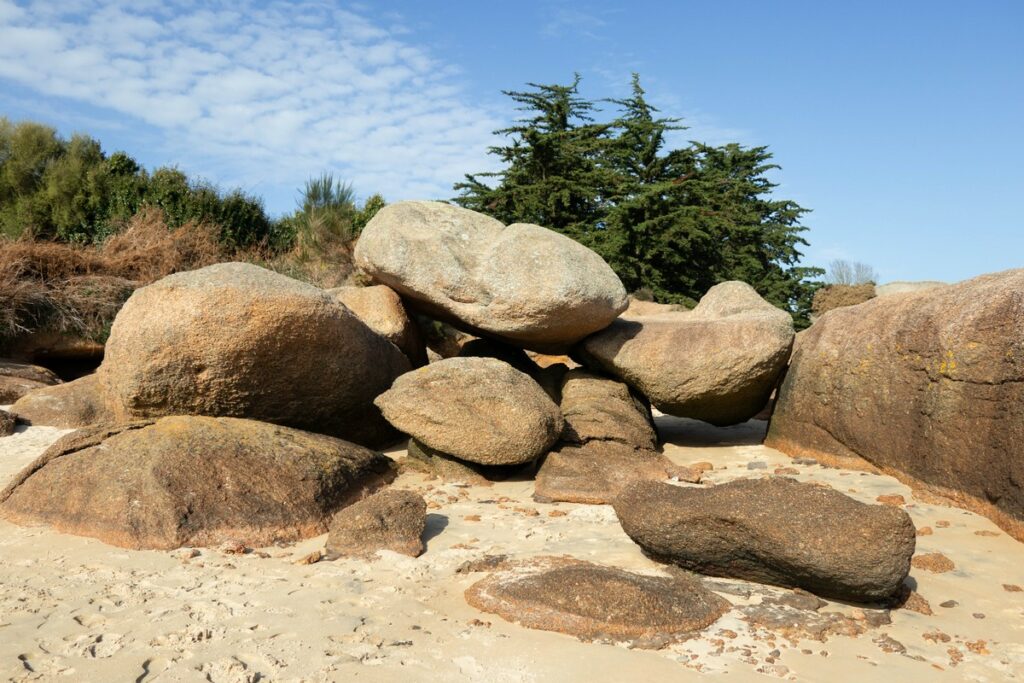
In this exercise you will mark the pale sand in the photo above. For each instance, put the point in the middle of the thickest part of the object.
(76, 609)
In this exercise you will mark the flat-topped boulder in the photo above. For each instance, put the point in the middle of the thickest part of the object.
(237, 340)
(523, 284)
(481, 410)
(598, 603)
(17, 379)
(926, 385)
(382, 311)
(718, 363)
(71, 405)
(777, 531)
(596, 472)
(192, 481)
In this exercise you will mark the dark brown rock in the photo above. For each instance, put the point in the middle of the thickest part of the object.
(596, 472)
(775, 531)
(17, 379)
(6, 423)
(74, 404)
(718, 363)
(391, 519)
(480, 410)
(927, 386)
(192, 481)
(237, 340)
(596, 603)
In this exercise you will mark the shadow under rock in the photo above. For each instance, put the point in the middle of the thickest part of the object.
(683, 431)
(435, 525)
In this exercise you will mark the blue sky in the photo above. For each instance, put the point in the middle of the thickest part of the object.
(898, 123)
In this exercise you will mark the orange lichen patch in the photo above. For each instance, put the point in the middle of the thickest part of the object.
(893, 499)
(936, 637)
(933, 562)
(978, 647)
(955, 656)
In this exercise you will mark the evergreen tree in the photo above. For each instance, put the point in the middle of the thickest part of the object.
(676, 222)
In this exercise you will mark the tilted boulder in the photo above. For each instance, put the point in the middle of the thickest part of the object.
(192, 481)
(523, 284)
(71, 405)
(777, 531)
(598, 408)
(388, 520)
(17, 379)
(382, 311)
(927, 386)
(481, 410)
(237, 340)
(717, 363)
(597, 603)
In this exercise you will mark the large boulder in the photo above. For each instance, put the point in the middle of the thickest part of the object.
(598, 408)
(17, 379)
(481, 410)
(717, 363)
(596, 603)
(777, 531)
(927, 386)
(237, 340)
(75, 404)
(192, 481)
(382, 310)
(523, 284)
(391, 519)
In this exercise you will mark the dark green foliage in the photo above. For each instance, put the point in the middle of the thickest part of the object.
(675, 223)
(69, 190)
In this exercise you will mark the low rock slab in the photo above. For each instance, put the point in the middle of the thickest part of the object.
(597, 603)
(717, 363)
(72, 405)
(17, 379)
(481, 410)
(776, 531)
(192, 481)
(523, 284)
(388, 520)
(596, 472)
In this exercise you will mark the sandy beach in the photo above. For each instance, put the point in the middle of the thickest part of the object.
(75, 609)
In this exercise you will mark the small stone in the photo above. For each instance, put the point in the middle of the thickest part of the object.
(472, 518)
(6, 423)
(915, 603)
(311, 558)
(1012, 588)
(805, 461)
(978, 615)
(978, 647)
(986, 532)
(949, 603)
(942, 524)
(557, 513)
(757, 465)
(933, 562)
(925, 531)
(232, 547)
(786, 470)
(891, 499)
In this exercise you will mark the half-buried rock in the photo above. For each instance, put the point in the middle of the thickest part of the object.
(71, 405)
(717, 363)
(388, 520)
(596, 603)
(481, 410)
(236, 340)
(523, 284)
(192, 481)
(776, 531)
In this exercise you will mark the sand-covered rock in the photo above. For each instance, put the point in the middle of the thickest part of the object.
(926, 385)
(237, 340)
(17, 379)
(192, 481)
(481, 410)
(776, 531)
(7, 422)
(391, 519)
(717, 363)
(596, 472)
(598, 408)
(524, 284)
(598, 603)
(382, 310)
(70, 405)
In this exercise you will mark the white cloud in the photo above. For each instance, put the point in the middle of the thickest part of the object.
(260, 95)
